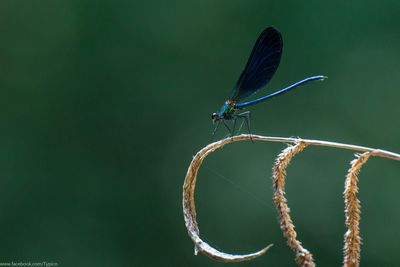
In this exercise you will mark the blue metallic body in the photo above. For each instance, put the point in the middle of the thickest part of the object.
(282, 91)
(261, 66)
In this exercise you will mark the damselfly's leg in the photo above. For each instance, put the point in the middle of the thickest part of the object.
(234, 126)
(247, 120)
(246, 116)
(241, 126)
(227, 127)
(215, 129)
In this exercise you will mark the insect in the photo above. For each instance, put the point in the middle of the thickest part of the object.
(261, 66)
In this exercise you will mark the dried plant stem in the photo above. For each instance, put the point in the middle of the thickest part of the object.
(189, 211)
(352, 239)
(303, 256)
(374, 151)
(189, 185)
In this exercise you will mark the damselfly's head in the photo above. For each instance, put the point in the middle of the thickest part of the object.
(216, 117)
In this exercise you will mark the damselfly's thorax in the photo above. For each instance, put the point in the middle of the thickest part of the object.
(226, 112)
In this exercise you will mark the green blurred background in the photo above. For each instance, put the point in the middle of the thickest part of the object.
(104, 103)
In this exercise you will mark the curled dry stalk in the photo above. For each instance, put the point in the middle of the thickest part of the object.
(303, 257)
(189, 211)
(352, 239)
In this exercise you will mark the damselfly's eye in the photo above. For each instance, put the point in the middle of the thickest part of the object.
(214, 116)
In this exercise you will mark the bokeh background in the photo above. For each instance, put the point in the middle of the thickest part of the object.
(104, 103)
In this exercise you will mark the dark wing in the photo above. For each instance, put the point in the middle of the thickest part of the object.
(261, 66)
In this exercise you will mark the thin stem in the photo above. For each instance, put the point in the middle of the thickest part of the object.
(375, 152)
